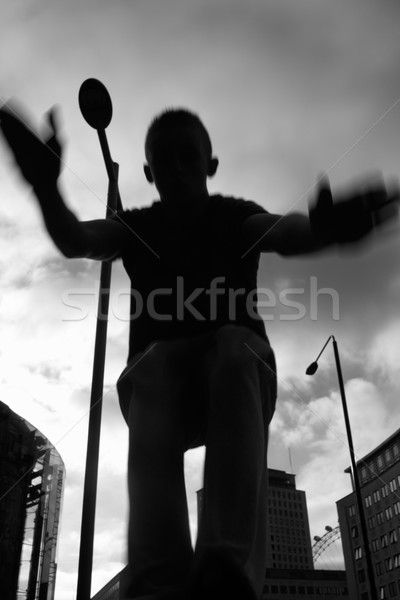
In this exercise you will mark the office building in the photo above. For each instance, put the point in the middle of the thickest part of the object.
(288, 527)
(379, 475)
(305, 584)
(111, 591)
(290, 572)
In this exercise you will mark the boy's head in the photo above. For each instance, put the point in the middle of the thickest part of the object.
(173, 119)
(179, 155)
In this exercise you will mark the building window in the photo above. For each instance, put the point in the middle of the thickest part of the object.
(358, 553)
(385, 491)
(371, 522)
(376, 495)
(392, 589)
(389, 513)
(375, 545)
(382, 592)
(396, 507)
(396, 561)
(354, 531)
(393, 485)
(364, 474)
(380, 462)
(392, 536)
(389, 564)
(379, 518)
(384, 540)
(352, 510)
(379, 568)
(361, 575)
(368, 501)
(373, 467)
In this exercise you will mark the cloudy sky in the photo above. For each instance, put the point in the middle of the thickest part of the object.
(288, 89)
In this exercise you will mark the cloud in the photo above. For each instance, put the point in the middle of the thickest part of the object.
(384, 354)
(287, 90)
(194, 467)
(314, 431)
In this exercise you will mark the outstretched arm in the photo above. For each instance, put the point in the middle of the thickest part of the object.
(285, 234)
(39, 161)
(348, 220)
(100, 239)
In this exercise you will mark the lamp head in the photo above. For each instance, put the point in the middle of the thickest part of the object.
(311, 369)
(95, 103)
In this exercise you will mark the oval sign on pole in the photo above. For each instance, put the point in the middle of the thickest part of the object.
(95, 103)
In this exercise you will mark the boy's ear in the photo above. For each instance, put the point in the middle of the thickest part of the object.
(212, 166)
(148, 173)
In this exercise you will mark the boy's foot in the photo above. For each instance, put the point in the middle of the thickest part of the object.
(218, 577)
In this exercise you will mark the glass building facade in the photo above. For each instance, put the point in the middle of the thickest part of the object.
(31, 485)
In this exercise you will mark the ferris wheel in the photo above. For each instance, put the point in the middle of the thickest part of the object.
(327, 550)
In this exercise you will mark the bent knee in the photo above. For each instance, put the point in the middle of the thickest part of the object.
(158, 364)
(237, 348)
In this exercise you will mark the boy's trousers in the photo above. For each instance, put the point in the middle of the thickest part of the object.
(217, 390)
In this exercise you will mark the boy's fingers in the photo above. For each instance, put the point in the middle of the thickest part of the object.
(4, 111)
(379, 198)
(386, 213)
(52, 142)
(14, 128)
(383, 202)
(394, 192)
(9, 116)
(325, 200)
(54, 146)
(53, 119)
(7, 120)
(323, 182)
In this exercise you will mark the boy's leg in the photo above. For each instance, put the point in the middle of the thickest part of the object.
(159, 543)
(157, 391)
(240, 372)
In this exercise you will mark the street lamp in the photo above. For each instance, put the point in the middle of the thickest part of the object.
(312, 368)
(96, 107)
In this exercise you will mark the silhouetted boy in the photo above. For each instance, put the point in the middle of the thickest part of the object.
(200, 368)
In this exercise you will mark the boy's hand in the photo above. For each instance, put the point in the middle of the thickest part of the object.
(38, 159)
(355, 215)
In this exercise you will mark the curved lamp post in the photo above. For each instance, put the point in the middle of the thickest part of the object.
(312, 368)
(96, 107)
